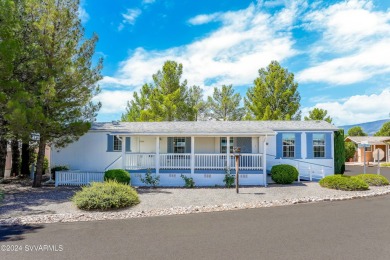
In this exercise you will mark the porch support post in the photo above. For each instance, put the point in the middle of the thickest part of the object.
(372, 153)
(228, 152)
(387, 153)
(192, 155)
(157, 155)
(265, 162)
(123, 140)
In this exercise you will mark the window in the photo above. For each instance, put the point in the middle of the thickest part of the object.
(224, 144)
(368, 148)
(179, 145)
(288, 141)
(117, 143)
(319, 145)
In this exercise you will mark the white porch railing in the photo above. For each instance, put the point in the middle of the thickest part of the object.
(140, 160)
(175, 161)
(183, 161)
(77, 177)
(248, 161)
(210, 161)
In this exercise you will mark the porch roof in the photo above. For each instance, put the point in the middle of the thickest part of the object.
(372, 140)
(210, 128)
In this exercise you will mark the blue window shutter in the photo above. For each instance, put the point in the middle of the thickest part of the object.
(328, 146)
(309, 142)
(188, 144)
(110, 143)
(170, 145)
(128, 144)
(298, 146)
(279, 145)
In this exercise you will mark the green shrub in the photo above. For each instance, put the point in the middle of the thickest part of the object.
(373, 179)
(340, 182)
(119, 175)
(105, 195)
(1, 196)
(229, 179)
(188, 181)
(385, 164)
(350, 149)
(284, 174)
(57, 169)
(339, 152)
(150, 179)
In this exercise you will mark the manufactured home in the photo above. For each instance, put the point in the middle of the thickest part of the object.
(203, 150)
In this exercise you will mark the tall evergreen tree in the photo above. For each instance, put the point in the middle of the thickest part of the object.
(224, 105)
(139, 104)
(56, 101)
(274, 95)
(197, 107)
(385, 130)
(319, 114)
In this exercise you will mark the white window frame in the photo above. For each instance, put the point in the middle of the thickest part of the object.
(319, 145)
(223, 144)
(288, 153)
(179, 142)
(117, 144)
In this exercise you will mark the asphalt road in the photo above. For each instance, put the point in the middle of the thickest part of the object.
(356, 229)
(354, 170)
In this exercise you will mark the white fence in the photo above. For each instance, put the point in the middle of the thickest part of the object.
(140, 160)
(77, 178)
(175, 161)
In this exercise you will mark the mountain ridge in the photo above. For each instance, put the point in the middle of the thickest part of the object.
(368, 127)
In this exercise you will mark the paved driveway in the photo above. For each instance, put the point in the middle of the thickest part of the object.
(354, 170)
(356, 229)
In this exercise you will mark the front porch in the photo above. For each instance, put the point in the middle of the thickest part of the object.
(204, 158)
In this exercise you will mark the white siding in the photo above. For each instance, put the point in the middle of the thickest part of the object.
(205, 145)
(89, 153)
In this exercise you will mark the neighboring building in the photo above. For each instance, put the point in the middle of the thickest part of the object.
(375, 142)
(203, 149)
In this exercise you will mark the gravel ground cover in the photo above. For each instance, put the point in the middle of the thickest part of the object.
(26, 205)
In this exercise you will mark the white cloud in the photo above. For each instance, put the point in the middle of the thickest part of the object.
(204, 18)
(82, 13)
(113, 102)
(148, 1)
(232, 54)
(130, 17)
(357, 109)
(355, 35)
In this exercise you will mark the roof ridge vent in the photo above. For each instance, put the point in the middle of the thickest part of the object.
(115, 122)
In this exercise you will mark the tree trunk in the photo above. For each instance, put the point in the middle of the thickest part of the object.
(40, 160)
(15, 168)
(25, 171)
(3, 156)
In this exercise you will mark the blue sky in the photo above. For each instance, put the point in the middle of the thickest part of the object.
(339, 51)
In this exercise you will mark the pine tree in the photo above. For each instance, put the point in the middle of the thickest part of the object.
(224, 105)
(319, 114)
(274, 95)
(55, 99)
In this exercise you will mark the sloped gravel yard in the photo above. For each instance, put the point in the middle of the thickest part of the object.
(25, 205)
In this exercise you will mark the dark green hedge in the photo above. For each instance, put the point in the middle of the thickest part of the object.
(339, 152)
(119, 175)
(284, 174)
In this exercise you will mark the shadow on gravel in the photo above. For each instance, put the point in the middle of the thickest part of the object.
(297, 184)
(21, 198)
(16, 233)
(153, 191)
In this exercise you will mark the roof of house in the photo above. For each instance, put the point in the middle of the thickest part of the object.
(210, 128)
(373, 140)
